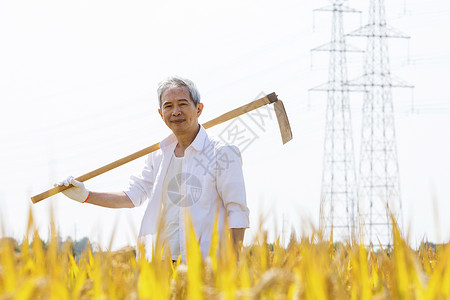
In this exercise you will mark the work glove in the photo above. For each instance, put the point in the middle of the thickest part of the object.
(77, 192)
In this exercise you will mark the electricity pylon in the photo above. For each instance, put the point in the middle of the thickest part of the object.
(338, 195)
(378, 184)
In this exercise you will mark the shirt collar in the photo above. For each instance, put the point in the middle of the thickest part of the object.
(171, 139)
(199, 140)
(197, 143)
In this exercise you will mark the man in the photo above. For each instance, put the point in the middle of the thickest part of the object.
(192, 173)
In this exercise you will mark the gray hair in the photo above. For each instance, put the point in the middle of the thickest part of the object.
(176, 81)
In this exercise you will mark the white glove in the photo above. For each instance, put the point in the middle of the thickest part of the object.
(77, 192)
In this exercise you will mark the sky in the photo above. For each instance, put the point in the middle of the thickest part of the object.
(78, 86)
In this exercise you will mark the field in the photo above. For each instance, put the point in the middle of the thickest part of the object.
(309, 268)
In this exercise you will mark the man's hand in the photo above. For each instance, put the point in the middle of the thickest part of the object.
(77, 192)
(237, 234)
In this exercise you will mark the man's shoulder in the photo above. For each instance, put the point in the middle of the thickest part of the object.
(155, 157)
(219, 145)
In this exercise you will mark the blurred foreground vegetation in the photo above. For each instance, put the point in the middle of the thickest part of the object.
(310, 268)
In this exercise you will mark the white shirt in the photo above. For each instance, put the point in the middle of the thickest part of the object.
(171, 197)
(213, 181)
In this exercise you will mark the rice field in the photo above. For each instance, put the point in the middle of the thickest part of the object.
(309, 268)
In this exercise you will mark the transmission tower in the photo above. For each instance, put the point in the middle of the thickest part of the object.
(338, 195)
(378, 186)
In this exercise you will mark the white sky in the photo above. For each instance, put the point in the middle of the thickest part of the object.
(78, 90)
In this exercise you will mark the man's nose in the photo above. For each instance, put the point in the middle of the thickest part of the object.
(176, 110)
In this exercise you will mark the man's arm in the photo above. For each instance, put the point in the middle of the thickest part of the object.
(78, 192)
(111, 200)
(231, 188)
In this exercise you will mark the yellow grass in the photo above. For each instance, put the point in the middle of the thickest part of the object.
(310, 268)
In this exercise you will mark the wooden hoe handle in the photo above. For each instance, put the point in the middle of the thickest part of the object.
(223, 118)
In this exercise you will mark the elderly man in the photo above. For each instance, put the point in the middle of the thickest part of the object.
(192, 173)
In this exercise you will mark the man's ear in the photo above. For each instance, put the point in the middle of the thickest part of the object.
(199, 109)
(160, 113)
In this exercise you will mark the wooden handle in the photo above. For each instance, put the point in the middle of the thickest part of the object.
(241, 110)
(223, 118)
(96, 172)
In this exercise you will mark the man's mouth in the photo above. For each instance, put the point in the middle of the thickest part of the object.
(177, 121)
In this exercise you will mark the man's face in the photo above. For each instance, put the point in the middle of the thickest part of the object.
(179, 111)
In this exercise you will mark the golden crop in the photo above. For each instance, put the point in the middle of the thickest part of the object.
(311, 268)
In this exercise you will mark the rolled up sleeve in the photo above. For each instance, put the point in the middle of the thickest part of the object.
(140, 186)
(231, 186)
